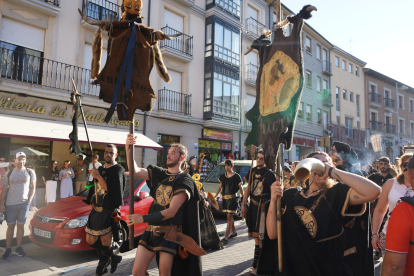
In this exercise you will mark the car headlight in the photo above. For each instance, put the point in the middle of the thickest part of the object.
(76, 223)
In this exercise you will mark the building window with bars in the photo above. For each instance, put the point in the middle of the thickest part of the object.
(349, 132)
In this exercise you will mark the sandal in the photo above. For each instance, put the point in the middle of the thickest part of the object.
(225, 241)
(233, 236)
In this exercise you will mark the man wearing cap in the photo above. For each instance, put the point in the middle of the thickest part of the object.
(358, 249)
(95, 164)
(19, 187)
(80, 176)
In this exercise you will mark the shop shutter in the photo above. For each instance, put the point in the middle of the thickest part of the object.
(21, 34)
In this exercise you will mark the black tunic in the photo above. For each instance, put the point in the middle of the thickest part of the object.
(316, 246)
(100, 223)
(230, 186)
(259, 194)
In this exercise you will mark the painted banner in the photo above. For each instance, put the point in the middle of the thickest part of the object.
(217, 135)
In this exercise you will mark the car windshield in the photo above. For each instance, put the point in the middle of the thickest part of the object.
(137, 181)
(219, 170)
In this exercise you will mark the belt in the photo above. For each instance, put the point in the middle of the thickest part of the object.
(154, 228)
(100, 209)
(229, 196)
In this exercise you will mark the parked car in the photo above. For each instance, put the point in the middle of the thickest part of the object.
(211, 183)
(61, 225)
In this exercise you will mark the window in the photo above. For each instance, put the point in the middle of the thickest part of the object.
(308, 112)
(300, 111)
(373, 89)
(344, 64)
(357, 105)
(309, 78)
(226, 95)
(401, 125)
(319, 84)
(232, 6)
(337, 61)
(324, 54)
(337, 99)
(324, 85)
(308, 44)
(349, 128)
(351, 96)
(209, 47)
(344, 94)
(359, 125)
(387, 94)
(350, 68)
(319, 116)
(318, 52)
(411, 105)
(412, 128)
(337, 119)
(356, 71)
(227, 44)
(401, 101)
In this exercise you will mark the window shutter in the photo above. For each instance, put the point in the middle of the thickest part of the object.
(21, 34)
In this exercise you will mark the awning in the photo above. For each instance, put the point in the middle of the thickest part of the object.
(23, 127)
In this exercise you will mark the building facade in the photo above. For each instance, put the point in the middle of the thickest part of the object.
(389, 112)
(348, 116)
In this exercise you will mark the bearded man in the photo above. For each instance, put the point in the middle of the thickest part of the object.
(106, 198)
(174, 210)
(259, 192)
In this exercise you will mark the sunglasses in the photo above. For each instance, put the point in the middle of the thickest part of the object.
(2, 160)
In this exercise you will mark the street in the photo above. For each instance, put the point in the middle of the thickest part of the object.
(235, 259)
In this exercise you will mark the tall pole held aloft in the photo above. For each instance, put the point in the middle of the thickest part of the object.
(131, 183)
(279, 177)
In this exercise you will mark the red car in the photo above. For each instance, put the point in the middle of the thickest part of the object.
(61, 225)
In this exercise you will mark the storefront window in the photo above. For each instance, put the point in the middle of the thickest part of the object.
(165, 141)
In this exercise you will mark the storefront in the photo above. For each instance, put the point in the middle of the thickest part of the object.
(301, 147)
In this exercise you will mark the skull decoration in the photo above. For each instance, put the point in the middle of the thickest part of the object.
(133, 6)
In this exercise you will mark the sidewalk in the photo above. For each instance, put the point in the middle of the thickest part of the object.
(3, 228)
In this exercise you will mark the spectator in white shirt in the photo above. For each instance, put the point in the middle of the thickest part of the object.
(95, 164)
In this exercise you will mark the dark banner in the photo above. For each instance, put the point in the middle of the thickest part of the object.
(279, 86)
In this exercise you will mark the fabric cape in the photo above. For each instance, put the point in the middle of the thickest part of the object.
(301, 254)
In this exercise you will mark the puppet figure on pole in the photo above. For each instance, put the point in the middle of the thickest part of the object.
(124, 83)
(279, 86)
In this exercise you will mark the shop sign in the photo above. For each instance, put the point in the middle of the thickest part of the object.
(9, 103)
(217, 135)
(226, 146)
(209, 144)
(303, 142)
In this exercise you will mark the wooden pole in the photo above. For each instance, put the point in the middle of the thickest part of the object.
(279, 177)
(131, 183)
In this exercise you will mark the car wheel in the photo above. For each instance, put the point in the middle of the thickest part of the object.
(117, 245)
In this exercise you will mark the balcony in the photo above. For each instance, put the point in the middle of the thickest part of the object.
(251, 74)
(390, 129)
(180, 48)
(376, 126)
(226, 110)
(174, 101)
(42, 72)
(326, 68)
(49, 7)
(327, 101)
(374, 99)
(100, 10)
(254, 28)
(389, 104)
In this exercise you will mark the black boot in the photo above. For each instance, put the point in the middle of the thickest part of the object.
(114, 262)
(257, 251)
(104, 260)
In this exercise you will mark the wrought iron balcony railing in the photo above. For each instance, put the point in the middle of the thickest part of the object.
(174, 101)
(375, 98)
(251, 72)
(375, 125)
(226, 109)
(53, 2)
(326, 67)
(182, 44)
(101, 10)
(254, 27)
(35, 70)
(390, 129)
(390, 103)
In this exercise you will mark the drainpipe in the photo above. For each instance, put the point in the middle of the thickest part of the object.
(149, 12)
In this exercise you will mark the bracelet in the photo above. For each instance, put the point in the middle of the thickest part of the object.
(376, 234)
(330, 171)
(153, 218)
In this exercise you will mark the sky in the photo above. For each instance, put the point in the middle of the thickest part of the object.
(378, 32)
